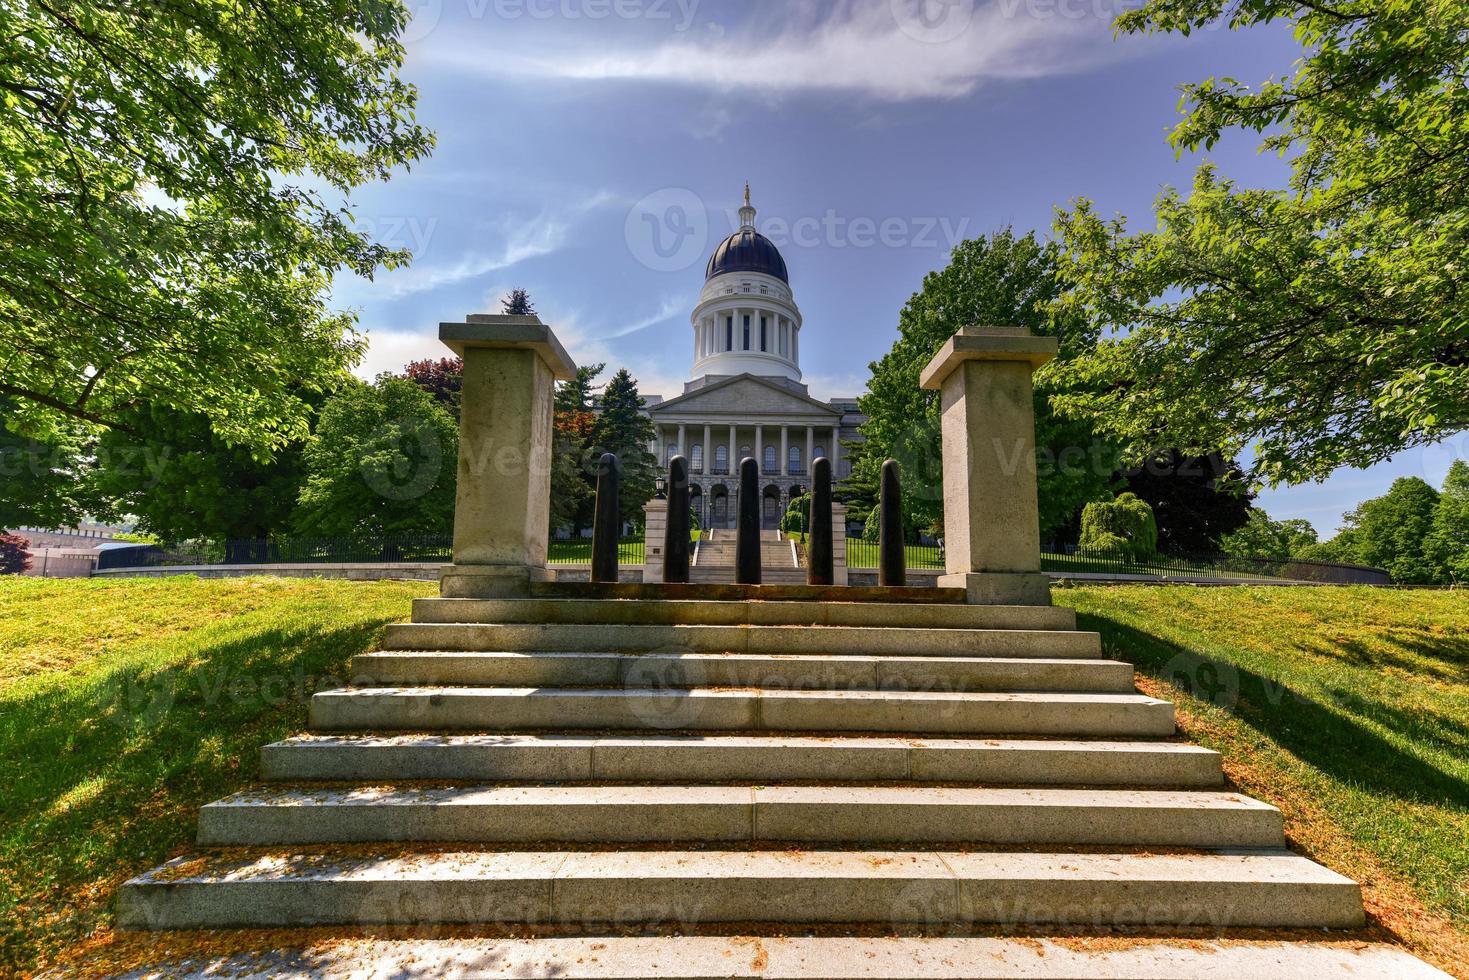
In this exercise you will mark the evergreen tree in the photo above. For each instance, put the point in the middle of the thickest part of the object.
(1447, 546)
(573, 471)
(517, 303)
(622, 429)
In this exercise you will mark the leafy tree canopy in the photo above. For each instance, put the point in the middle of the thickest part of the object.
(1262, 537)
(1389, 531)
(174, 203)
(1196, 500)
(999, 279)
(1323, 322)
(1447, 545)
(41, 482)
(383, 462)
(573, 468)
(1122, 528)
(442, 378)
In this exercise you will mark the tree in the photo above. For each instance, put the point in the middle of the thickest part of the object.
(797, 516)
(382, 462)
(42, 484)
(573, 468)
(998, 279)
(1196, 500)
(1447, 545)
(517, 303)
(15, 554)
(1121, 528)
(181, 480)
(1322, 323)
(622, 429)
(1262, 537)
(442, 378)
(1389, 531)
(175, 203)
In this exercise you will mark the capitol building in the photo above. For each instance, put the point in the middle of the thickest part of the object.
(745, 396)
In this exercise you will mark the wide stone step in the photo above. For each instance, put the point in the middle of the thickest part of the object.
(852, 641)
(806, 958)
(694, 612)
(894, 815)
(731, 758)
(918, 712)
(594, 889)
(689, 670)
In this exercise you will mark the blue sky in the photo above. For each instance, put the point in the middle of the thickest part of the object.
(593, 151)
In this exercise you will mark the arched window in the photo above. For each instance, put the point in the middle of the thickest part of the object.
(793, 458)
(819, 452)
(696, 458)
(721, 458)
(771, 460)
(672, 452)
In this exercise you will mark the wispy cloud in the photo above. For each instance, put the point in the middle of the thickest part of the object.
(669, 309)
(531, 240)
(890, 50)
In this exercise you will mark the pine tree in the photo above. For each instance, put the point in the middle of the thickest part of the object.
(623, 429)
(517, 303)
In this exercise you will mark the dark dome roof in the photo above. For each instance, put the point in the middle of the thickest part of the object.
(747, 251)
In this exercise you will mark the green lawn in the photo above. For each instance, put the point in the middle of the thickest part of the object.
(1348, 708)
(127, 703)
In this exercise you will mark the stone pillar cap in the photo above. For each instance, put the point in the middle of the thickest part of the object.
(987, 343)
(495, 331)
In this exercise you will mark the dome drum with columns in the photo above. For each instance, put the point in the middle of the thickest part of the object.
(745, 396)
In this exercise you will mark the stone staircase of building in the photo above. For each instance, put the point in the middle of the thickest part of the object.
(592, 766)
(716, 560)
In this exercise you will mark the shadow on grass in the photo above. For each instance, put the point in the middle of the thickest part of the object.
(102, 773)
(1311, 731)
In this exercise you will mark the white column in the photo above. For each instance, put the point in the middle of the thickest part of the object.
(683, 443)
(836, 452)
(760, 448)
(810, 446)
(795, 344)
(734, 448)
(785, 449)
(708, 452)
(658, 443)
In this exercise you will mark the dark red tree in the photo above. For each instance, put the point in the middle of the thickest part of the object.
(15, 554)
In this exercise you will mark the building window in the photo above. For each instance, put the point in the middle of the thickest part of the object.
(770, 459)
(729, 333)
(820, 452)
(672, 452)
(747, 332)
(764, 334)
(793, 458)
(721, 458)
(696, 457)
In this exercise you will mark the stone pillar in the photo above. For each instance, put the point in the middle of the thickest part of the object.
(839, 544)
(683, 444)
(708, 466)
(784, 469)
(733, 461)
(759, 448)
(836, 452)
(502, 507)
(991, 514)
(810, 447)
(655, 525)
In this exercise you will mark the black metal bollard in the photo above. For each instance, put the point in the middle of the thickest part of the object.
(892, 560)
(747, 525)
(676, 531)
(607, 520)
(819, 568)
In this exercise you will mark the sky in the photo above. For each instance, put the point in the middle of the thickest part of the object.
(595, 151)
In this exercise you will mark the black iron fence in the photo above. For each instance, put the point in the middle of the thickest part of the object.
(863, 554)
(1084, 560)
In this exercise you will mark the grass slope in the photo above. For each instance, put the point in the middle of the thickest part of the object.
(126, 704)
(1348, 708)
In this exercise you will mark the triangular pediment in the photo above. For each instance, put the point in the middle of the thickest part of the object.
(744, 394)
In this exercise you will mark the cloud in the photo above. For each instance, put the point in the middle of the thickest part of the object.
(530, 240)
(670, 308)
(888, 50)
